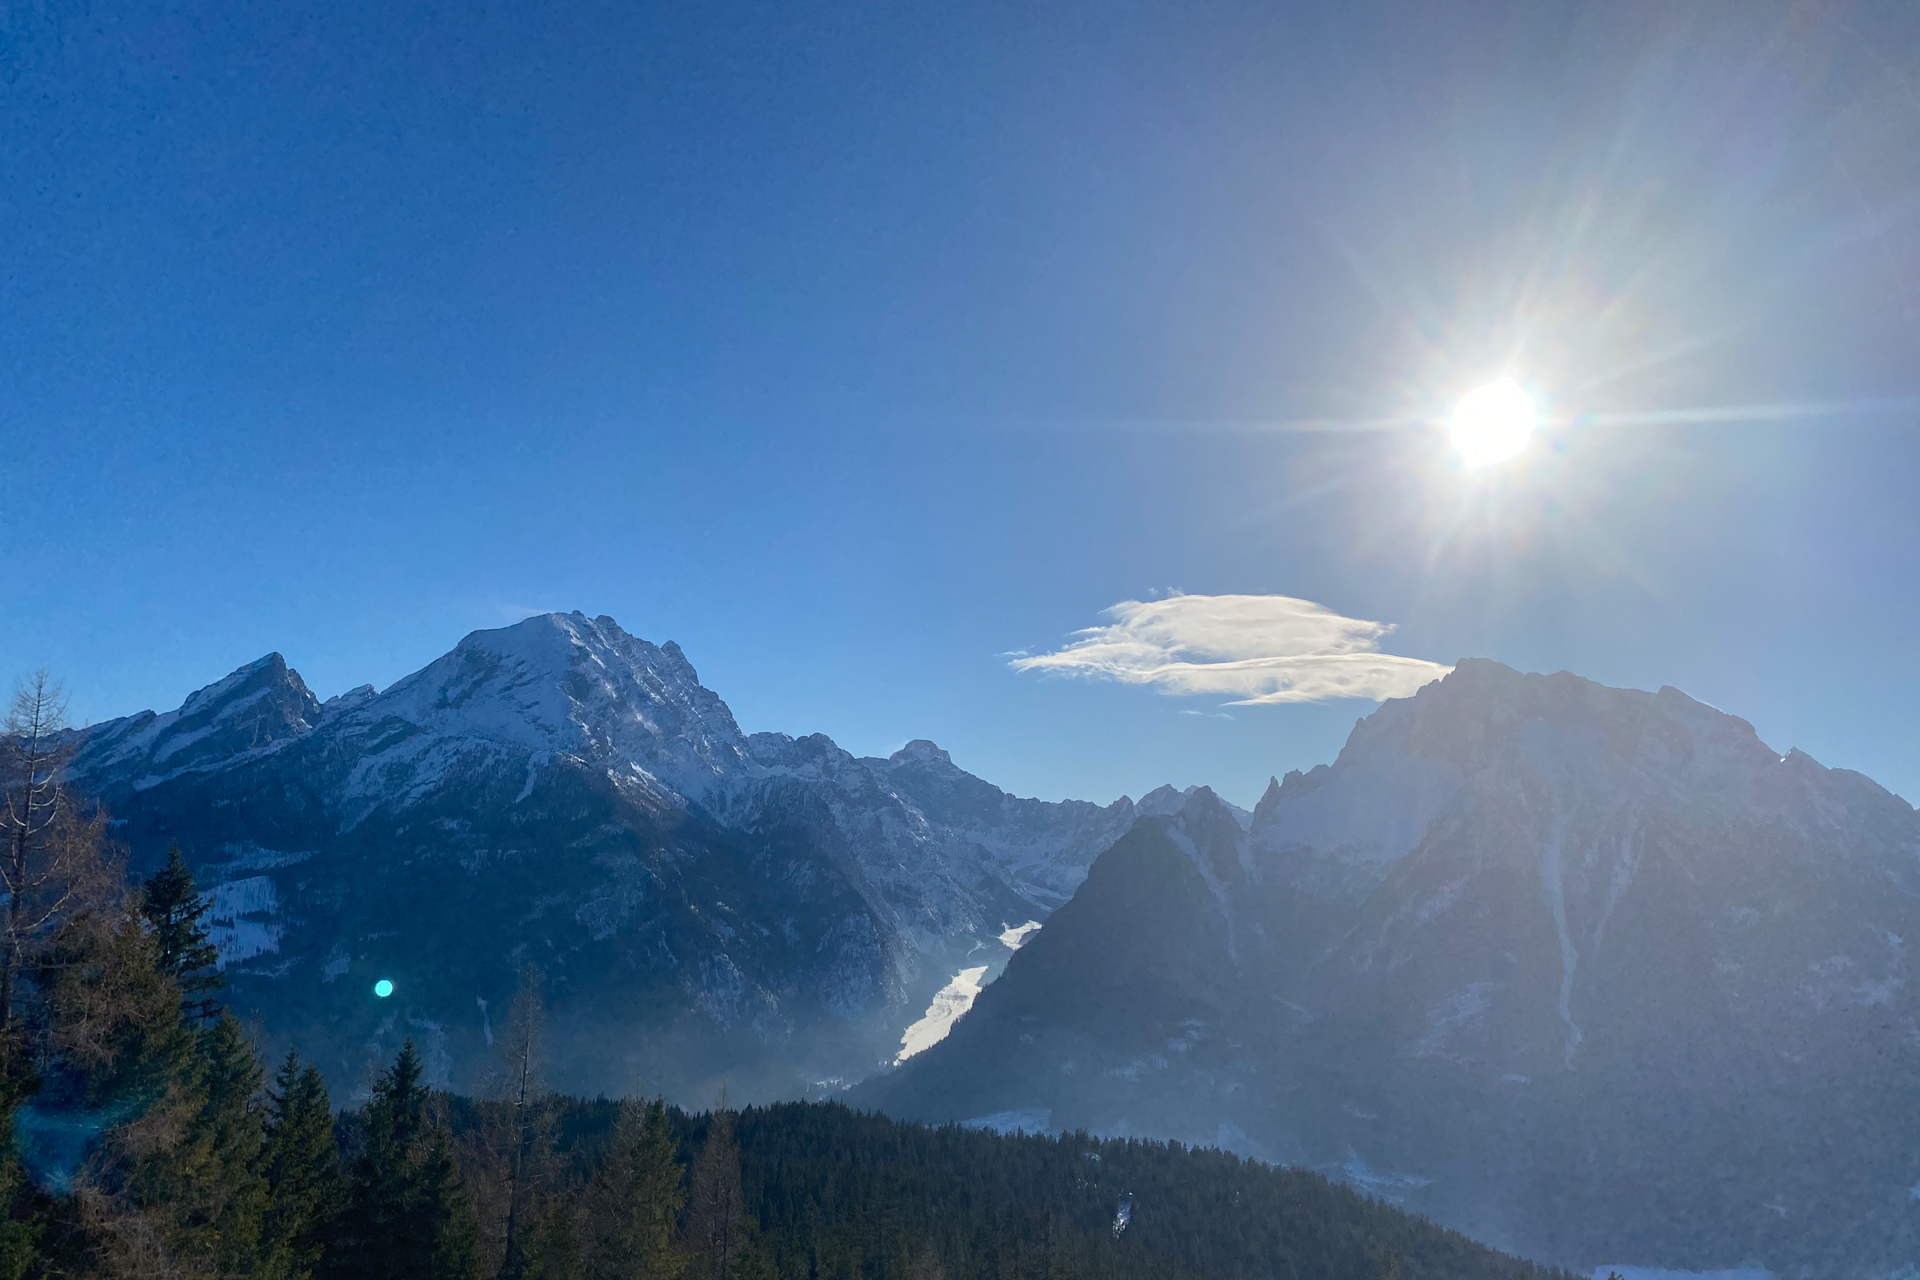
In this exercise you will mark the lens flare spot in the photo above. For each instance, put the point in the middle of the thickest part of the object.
(383, 988)
(1493, 423)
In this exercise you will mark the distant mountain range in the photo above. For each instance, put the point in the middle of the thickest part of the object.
(707, 905)
(1592, 974)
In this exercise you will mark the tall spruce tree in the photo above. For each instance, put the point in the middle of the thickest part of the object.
(406, 1216)
(302, 1167)
(634, 1200)
(217, 1184)
(716, 1210)
(175, 911)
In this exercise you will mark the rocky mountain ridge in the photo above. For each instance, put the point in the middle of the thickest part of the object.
(706, 903)
(1593, 974)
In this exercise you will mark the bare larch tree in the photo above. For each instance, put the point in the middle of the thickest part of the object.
(716, 1209)
(524, 1145)
(54, 861)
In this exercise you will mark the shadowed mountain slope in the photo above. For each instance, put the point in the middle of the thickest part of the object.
(1590, 973)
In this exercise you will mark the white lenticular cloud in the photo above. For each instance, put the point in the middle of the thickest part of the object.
(1252, 649)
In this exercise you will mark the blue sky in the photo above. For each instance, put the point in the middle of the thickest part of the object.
(858, 347)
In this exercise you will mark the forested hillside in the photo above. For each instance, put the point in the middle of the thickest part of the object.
(840, 1193)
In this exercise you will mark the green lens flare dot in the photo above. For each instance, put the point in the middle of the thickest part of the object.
(383, 988)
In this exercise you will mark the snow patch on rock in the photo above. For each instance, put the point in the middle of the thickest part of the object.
(241, 921)
(1015, 936)
(949, 1003)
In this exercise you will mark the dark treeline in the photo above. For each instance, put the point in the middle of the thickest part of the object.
(829, 1192)
(141, 1136)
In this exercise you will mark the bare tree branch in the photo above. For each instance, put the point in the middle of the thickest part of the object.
(54, 861)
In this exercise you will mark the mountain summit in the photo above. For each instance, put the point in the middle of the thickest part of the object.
(1592, 973)
(705, 904)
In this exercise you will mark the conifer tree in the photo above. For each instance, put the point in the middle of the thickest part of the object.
(716, 1211)
(174, 911)
(635, 1198)
(407, 1215)
(210, 1180)
(302, 1167)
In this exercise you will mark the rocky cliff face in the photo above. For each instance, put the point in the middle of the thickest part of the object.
(705, 904)
(1590, 973)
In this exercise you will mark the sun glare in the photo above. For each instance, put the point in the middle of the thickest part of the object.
(1493, 423)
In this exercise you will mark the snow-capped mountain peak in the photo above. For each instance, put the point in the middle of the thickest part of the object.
(557, 685)
(550, 687)
(566, 684)
(259, 706)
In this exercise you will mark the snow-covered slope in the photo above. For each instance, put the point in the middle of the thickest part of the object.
(564, 792)
(1591, 973)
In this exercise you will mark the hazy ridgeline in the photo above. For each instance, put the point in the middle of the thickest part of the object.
(144, 1139)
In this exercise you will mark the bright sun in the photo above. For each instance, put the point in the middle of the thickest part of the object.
(1492, 423)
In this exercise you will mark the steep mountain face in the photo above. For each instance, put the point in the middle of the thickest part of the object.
(1593, 974)
(257, 707)
(705, 904)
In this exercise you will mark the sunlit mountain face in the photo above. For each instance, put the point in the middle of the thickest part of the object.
(707, 905)
(1590, 972)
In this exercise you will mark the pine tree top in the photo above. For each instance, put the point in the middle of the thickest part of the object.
(175, 912)
(399, 1099)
